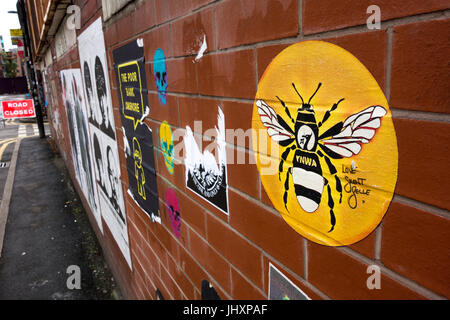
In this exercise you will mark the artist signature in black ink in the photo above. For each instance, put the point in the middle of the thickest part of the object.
(355, 187)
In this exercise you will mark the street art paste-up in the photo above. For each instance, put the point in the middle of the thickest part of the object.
(160, 75)
(159, 295)
(91, 46)
(281, 288)
(167, 147)
(138, 137)
(204, 175)
(174, 211)
(73, 97)
(208, 291)
(336, 160)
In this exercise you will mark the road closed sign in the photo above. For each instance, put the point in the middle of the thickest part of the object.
(18, 109)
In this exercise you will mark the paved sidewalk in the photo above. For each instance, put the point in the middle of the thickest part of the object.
(46, 232)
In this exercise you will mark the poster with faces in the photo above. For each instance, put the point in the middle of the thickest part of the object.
(73, 97)
(94, 70)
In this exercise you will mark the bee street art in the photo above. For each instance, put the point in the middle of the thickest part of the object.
(337, 160)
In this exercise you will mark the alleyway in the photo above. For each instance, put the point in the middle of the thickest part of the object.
(46, 232)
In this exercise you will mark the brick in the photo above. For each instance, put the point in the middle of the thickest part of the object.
(300, 283)
(200, 3)
(160, 112)
(264, 197)
(150, 257)
(157, 247)
(161, 286)
(416, 244)
(178, 176)
(89, 9)
(181, 76)
(240, 253)
(229, 74)
(242, 289)
(267, 231)
(324, 15)
(167, 240)
(138, 219)
(169, 9)
(370, 48)
(218, 267)
(238, 123)
(243, 22)
(266, 54)
(135, 237)
(420, 66)
(420, 158)
(242, 174)
(204, 111)
(171, 285)
(192, 268)
(366, 246)
(143, 18)
(157, 38)
(188, 33)
(125, 28)
(166, 221)
(181, 279)
(192, 214)
(341, 276)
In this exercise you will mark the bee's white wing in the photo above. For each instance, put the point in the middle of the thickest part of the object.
(357, 129)
(277, 131)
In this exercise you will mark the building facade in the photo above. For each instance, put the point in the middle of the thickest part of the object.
(160, 110)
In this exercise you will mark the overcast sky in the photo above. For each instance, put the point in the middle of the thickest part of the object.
(8, 21)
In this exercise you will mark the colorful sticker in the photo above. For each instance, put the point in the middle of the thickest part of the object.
(325, 143)
(160, 75)
(138, 137)
(165, 139)
(204, 175)
(281, 288)
(174, 211)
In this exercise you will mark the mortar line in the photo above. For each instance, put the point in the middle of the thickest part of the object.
(378, 238)
(305, 259)
(422, 206)
(408, 283)
(388, 70)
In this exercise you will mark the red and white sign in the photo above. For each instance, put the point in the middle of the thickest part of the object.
(18, 109)
(20, 48)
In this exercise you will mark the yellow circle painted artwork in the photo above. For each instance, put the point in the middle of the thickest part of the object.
(325, 143)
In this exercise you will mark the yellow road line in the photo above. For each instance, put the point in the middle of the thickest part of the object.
(7, 140)
(3, 148)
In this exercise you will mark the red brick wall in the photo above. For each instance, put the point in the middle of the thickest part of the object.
(408, 57)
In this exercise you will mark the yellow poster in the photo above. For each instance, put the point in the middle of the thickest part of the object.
(325, 143)
(15, 32)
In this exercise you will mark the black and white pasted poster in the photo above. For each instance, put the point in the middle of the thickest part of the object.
(281, 288)
(204, 175)
(138, 137)
(73, 97)
(91, 48)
